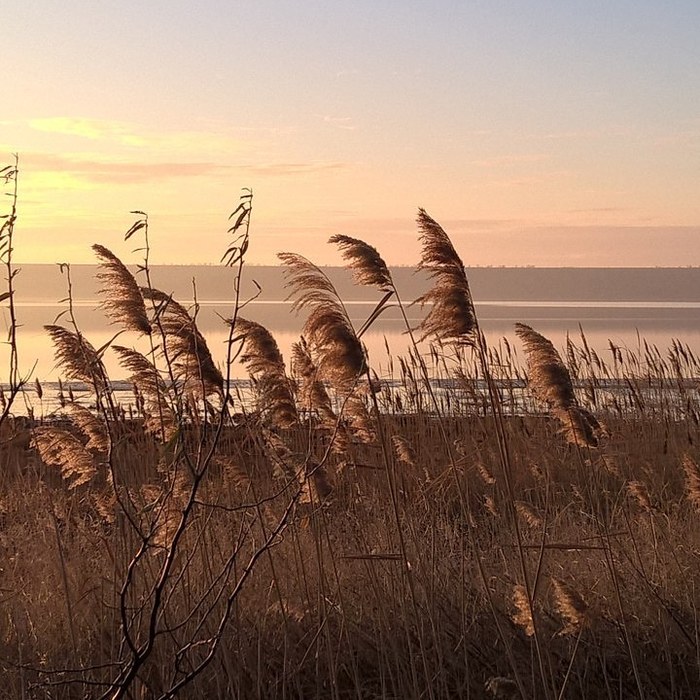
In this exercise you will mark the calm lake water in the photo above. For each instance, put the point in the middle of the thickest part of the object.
(624, 306)
(626, 324)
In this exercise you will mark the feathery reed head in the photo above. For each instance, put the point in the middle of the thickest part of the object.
(77, 357)
(437, 253)
(91, 426)
(550, 381)
(368, 267)
(308, 284)
(502, 688)
(311, 392)
(142, 372)
(123, 302)
(265, 364)
(570, 606)
(523, 612)
(185, 347)
(339, 355)
(333, 339)
(404, 450)
(452, 316)
(579, 425)
(260, 354)
(159, 417)
(57, 447)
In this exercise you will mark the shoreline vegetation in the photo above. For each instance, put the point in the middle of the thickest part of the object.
(475, 528)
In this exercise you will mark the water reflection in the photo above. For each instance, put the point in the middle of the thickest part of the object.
(626, 325)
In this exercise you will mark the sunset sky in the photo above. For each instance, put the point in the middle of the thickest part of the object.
(537, 132)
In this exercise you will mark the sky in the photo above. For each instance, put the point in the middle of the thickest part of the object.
(537, 132)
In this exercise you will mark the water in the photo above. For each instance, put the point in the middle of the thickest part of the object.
(623, 306)
(626, 324)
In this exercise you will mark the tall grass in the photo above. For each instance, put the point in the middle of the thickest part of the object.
(478, 521)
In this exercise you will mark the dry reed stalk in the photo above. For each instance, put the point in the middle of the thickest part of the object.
(59, 448)
(522, 616)
(452, 316)
(186, 349)
(265, 365)
(570, 606)
(123, 302)
(692, 480)
(550, 381)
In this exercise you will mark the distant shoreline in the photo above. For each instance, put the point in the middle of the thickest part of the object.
(586, 284)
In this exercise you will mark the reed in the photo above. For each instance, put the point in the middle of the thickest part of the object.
(346, 536)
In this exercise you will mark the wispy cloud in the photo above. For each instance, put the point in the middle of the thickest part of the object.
(109, 133)
(115, 172)
(118, 172)
(275, 169)
(92, 129)
(598, 210)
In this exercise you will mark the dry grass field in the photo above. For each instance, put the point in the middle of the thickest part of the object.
(470, 526)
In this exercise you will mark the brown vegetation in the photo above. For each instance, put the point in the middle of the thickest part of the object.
(430, 534)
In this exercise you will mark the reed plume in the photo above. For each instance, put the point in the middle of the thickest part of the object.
(579, 425)
(550, 382)
(549, 379)
(452, 316)
(265, 364)
(123, 302)
(91, 426)
(60, 448)
(569, 605)
(311, 392)
(528, 513)
(185, 347)
(367, 266)
(77, 357)
(523, 613)
(638, 491)
(159, 417)
(329, 332)
(313, 397)
(404, 451)
(142, 372)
